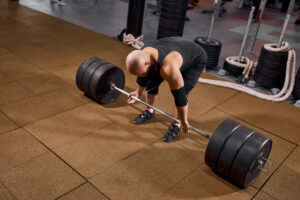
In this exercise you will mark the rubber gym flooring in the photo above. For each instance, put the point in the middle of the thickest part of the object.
(55, 143)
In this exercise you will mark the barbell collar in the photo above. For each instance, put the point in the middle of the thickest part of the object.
(113, 86)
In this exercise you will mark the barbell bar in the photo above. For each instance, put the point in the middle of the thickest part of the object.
(235, 152)
(113, 86)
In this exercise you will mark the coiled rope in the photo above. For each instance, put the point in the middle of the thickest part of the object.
(289, 82)
(245, 63)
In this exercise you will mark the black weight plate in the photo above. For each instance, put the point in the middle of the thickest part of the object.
(212, 49)
(296, 88)
(298, 75)
(81, 70)
(231, 149)
(88, 74)
(269, 73)
(169, 33)
(296, 94)
(245, 167)
(172, 17)
(203, 41)
(297, 84)
(272, 65)
(267, 82)
(171, 29)
(278, 57)
(175, 5)
(100, 83)
(172, 10)
(216, 143)
(170, 26)
(233, 69)
(211, 65)
(166, 22)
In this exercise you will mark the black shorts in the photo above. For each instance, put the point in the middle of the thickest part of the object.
(190, 78)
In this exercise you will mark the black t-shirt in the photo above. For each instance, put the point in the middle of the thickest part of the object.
(190, 52)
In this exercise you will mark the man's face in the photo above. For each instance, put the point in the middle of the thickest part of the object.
(142, 70)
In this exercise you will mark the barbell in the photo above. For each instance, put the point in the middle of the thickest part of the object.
(234, 152)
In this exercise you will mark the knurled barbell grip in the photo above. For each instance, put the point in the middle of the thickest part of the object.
(112, 86)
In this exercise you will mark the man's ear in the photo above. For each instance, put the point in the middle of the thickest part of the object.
(147, 63)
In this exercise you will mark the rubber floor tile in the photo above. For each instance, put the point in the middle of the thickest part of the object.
(39, 107)
(36, 37)
(38, 56)
(285, 183)
(18, 147)
(43, 83)
(204, 184)
(278, 118)
(147, 174)
(4, 79)
(69, 53)
(85, 192)
(194, 144)
(45, 177)
(67, 75)
(280, 148)
(211, 95)
(6, 124)
(93, 153)
(8, 59)
(263, 196)
(4, 194)
(13, 91)
(18, 71)
(60, 129)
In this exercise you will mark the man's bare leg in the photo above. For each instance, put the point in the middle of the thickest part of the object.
(150, 99)
(148, 114)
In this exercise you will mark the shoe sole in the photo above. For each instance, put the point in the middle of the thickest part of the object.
(170, 140)
(144, 122)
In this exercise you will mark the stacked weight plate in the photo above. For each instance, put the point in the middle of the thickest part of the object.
(90, 80)
(271, 66)
(172, 16)
(213, 51)
(233, 69)
(296, 92)
(237, 153)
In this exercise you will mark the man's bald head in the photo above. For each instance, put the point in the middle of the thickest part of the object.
(135, 62)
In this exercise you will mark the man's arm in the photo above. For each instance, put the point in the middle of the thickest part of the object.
(171, 73)
(139, 90)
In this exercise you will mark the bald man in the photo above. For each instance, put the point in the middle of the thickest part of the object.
(180, 63)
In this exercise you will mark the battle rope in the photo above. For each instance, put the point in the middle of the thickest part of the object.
(289, 82)
(245, 63)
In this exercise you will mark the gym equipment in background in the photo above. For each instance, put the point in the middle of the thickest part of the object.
(239, 65)
(271, 65)
(296, 92)
(211, 46)
(172, 18)
(135, 17)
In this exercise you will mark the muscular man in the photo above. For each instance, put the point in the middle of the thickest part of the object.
(180, 63)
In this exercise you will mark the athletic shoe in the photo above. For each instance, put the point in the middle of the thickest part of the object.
(53, 1)
(297, 21)
(172, 133)
(144, 117)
